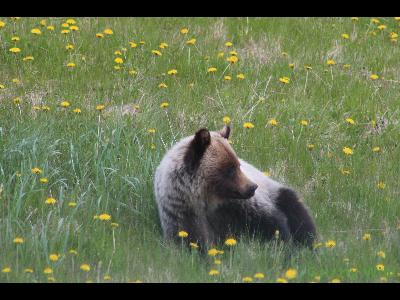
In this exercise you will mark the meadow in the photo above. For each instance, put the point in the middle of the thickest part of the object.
(89, 106)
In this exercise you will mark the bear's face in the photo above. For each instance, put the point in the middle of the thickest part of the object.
(210, 154)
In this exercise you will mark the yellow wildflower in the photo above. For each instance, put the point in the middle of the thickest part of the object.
(18, 240)
(347, 151)
(230, 242)
(183, 234)
(85, 267)
(291, 273)
(104, 217)
(248, 125)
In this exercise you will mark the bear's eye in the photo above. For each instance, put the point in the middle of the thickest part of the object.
(230, 171)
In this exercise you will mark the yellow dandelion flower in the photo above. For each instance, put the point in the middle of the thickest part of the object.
(28, 270)
(376, 149)
(227, 77)
(183, 234)
(2, 24)
(346, 66)
(36, 31)
(281, 280)
(380, 267)
(50, 28)
(162, 85)
(194, 245)
(273, 122)
(382, 27)
(350, 121)
(15, 38)
(17, 100)
(85, 267)
(77, 110)
(374, 77)
(191, 42)
(151, 130)
(353, 270)
(375, 21)
(6, 270)
(65, 25)
(73, 252)
(226, 120)
(48, 270)
(347, 151)
(172, 72)
(114, 225)
(156, 52)
(118, 60)
(99, 35)
(133, 44)
(213, 272)
(54, 257)
(233, 59)
(284, 79)
(228, 44)
(100, 107)
(381, 254)
(381, 185)
(163, 45)
(230, 242)
(212, 70)
(15, 50)
(74, 28)
(259, 275)
(330, 244)
(51, 201)
(164, 104)
(72, 204)
(291, 273)
(248, 125)
(107, 277)
(247, 279)
(108, 31)
(345, 36)
(18, 240)
(65, 104)
(308, 67)
(184, 30)
(366, 237)
(291, 65)
(354, 19)
(133, 72)
(213, 252)
(330, 62)
(28, 58)
(36, 170)
(65, 31)
(71, 65)
(335, 280)
(304, 122)
(104, 217)
(240, 76)
(345, 171)
(220, 54)
(70, 21)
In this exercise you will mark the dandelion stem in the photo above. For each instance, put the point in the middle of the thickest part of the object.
(305, 85)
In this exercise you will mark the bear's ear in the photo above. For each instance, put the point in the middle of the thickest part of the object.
(225, 132)
(197, 147)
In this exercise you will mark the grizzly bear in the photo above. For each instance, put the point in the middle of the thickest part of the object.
(203, 188)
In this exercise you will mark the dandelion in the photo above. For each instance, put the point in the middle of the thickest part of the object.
(133, 72)
(248, 125)
(15, 38)
(376, 149)
(335, 280)
(48, 270)
(107, 277)
(374, 77)
(227, 77)
(226, 120)
(65, 104)
(240, 76)
(156, 52)
(17, 100)
(151, 130)
(162, 85)
(99, 35)
(77, 110)
(172, 72)
(36, 31)
(85, 267)
(350, 121)
(284, 79)
(291, 65)
(381, 254)
(18, 240)
(382, 27)
(36, 170)
(213, 272)
(114, 225)
(65, 31)
(100, 107)
(330, 244)
(164, 104)
(118, 60)
(51, 201)
(291, 273)
(212, 70)
(54, 257)
(50, 28)
(74, 28)
(345, 36)
(163, 45)
(72, 204)
(259, 275)
(73, 252)
(247, 279)
(330, 62)
(353, 270)
(273, 122)
(308, 67)
(184, 30)
(217, 262)
(375, 21)
(108, 31)
(6, 270)
(304, 122)
(193, 245)
(381, 185)
(230, 242)
(347, 151)
(220, 54)
(228, 44)
(183, 234)
(345, 171)
(191, 42)
(28, 270)
(233, 59)
(15, 50)
(28, 58)
(2, 24)
(380, 267)
(71, 65)
(213, 252)
(346, 66)
(354, 19)
(366, 237)
(104, 217)
(132, 44)
(281, 280)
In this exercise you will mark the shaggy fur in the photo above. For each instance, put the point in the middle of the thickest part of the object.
(203, 188)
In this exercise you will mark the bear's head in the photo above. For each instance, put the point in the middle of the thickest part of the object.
(210, 156)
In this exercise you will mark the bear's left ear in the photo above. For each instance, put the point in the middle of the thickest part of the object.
(197, 147)
(225, 132)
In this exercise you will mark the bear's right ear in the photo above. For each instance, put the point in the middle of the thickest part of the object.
(225, 132)
(197, 147)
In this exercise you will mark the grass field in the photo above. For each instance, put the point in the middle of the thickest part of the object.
(310, 87)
